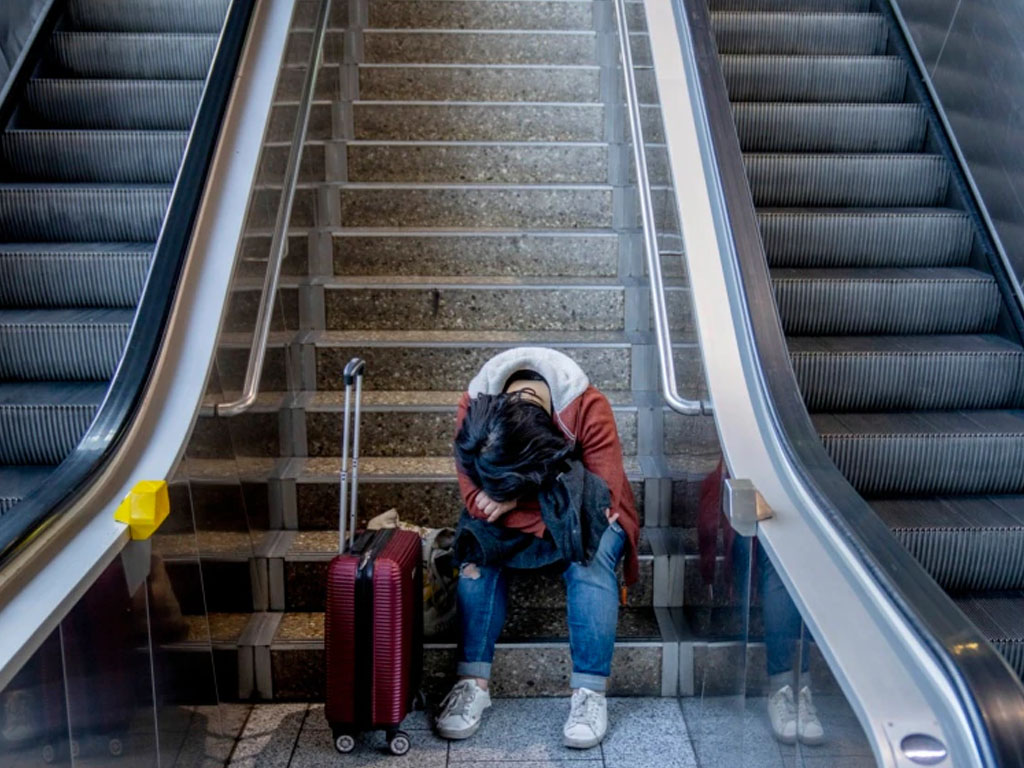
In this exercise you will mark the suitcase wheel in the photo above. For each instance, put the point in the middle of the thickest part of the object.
(115, 746)
(398, 742)
(49, 753)
(344, 743)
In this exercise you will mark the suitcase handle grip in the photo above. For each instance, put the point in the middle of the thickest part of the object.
(353, 376)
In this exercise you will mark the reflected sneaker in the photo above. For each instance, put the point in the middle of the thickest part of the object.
(782, 713)
(808, 725)
(20, 716)
(462, 710)
(588, 719)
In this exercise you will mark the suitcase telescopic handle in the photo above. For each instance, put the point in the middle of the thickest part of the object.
(353, 376)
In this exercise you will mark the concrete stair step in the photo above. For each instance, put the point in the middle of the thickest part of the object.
(305, 572)
(499, 304)
(480, 253)
(413, 424)
(472, 46)
(480, 121)
(532, 656)
(475, 14)
(440, 205)
(479, 162)
(422, 489)
(446, 360)
(481, 82)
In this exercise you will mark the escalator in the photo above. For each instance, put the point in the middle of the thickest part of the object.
(902, 328)
(101, 166)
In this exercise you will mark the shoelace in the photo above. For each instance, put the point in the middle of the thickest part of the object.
(807, 710)
(458, 700)
(584, 709)
(784, 700)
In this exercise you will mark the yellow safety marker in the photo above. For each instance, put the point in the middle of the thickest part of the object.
(145, 508)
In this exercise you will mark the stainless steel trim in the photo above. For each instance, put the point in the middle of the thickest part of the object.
(279, 241)
(651, 252)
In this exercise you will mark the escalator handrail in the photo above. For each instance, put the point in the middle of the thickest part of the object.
(114, 416)
(986, 687)
(662, 330)
(279, 240)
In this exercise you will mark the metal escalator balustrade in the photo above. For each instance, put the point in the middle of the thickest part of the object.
(873, 294)
(101, 168)
(907, 358)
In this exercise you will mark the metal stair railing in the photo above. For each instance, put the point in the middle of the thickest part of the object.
(652, 253)
(279, 240)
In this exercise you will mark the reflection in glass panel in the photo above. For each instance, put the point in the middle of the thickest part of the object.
(33, 712)
(105, 641)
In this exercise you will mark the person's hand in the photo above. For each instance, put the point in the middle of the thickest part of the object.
(610, 517)
(491, 508)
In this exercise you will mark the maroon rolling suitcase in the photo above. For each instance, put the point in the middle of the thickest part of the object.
(374, 622)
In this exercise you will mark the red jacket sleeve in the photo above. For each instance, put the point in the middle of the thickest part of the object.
(466, 488)
(601, 452)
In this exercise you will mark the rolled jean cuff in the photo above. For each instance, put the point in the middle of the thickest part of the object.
(481, 669)
(596, 683)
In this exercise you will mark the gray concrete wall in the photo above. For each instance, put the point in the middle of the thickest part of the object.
(17, 22)
(974, 52)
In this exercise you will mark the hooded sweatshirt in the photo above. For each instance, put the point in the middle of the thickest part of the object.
(585, 417)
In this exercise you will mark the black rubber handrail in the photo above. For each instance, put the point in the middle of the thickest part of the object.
(989, 692)
(119, 408)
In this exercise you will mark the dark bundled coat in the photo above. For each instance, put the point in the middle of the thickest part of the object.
(573, 510)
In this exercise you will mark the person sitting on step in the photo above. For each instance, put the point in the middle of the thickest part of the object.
(531, 429)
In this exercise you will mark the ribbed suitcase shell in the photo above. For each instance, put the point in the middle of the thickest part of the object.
(394, 667)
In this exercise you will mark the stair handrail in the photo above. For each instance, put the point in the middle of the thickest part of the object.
(662, 330)
(279, 240)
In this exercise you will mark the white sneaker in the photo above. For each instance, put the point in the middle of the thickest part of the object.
(462, 709)
(808, 725)
(588, 719)
(782, 713)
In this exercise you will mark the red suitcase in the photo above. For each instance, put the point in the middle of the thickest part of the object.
(374, 622)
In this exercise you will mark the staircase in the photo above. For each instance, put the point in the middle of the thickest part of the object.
(87, 164)
(466, 189)
(907, 353)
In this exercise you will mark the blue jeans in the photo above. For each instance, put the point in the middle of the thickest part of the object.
(592, 596)
(783, 624)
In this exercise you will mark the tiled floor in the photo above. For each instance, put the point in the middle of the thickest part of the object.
(517, 733)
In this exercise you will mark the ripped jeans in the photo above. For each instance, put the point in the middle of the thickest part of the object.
(593, 606)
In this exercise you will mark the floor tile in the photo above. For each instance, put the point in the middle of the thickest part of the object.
(414, 721)
(647, 732)
(316, 748)
(528, 730)
(269, 737)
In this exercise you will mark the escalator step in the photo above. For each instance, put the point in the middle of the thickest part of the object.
(779, 127)
(821, 302)
(847, 79)
(148, 15)
(82, 213)
(62, 344)
(973, 542)
(18, 482)
(41, 423)
(75, 275)
(1000, 617)
(928, 452)
(847, 180)
(137, 157)
(837, 6)
(167, 105)
(875, 373)
(128, 56)
(799, 33)
(934, 237)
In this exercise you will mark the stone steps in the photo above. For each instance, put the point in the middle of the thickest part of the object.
(473, 46)
(480, 82)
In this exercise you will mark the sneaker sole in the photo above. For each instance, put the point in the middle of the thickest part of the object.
(457, 735)
(581, 743)
(784, 739)
(812, 741)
